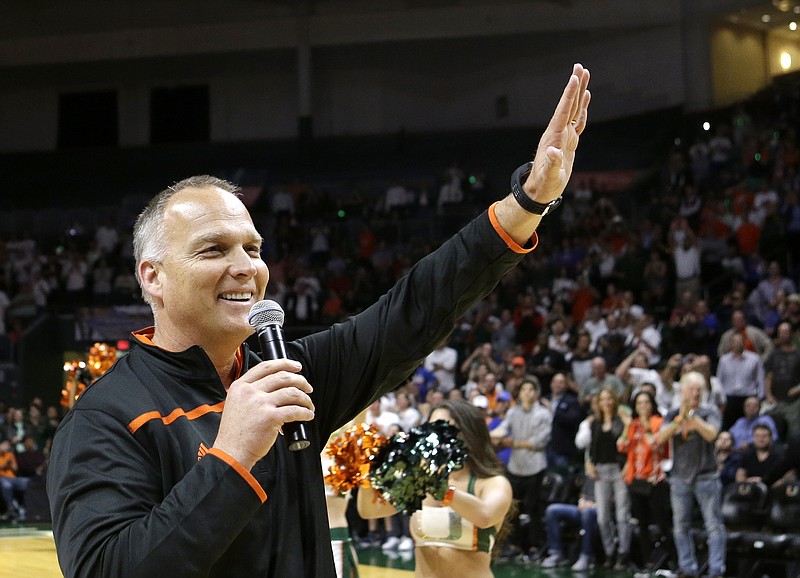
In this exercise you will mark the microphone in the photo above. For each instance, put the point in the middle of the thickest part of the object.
(266, 317)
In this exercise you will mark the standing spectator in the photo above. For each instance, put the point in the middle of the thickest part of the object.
(694, 476)
(782, 381)
(754, 338)
(107, 237)
(5, 301)
(743, 428)
(528, 322)
(408, 414)
(17, 427)
(567, 414)
(646, 338)
(442, 362)
(75, 277)
(604, 466)
(686, 256)
(526, 430)
(763, 299)
(646, 479)
(559, 337)
(483, 353)
(634, 371)
(580, 360)
(382, 419)
(600, 379)
(493, 421)
(546, 361)
(302, 300)
(595, 324)
(741, 374)
(503, 332)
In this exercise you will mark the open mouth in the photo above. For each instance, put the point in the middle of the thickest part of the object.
(236, 297)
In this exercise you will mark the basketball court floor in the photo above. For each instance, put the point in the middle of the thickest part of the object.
(28, 551)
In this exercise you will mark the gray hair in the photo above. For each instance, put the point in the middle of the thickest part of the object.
(149, 240)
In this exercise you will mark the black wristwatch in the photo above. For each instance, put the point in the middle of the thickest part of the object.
(517, 179)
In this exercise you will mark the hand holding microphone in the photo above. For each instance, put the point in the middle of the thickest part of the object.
(267, 317)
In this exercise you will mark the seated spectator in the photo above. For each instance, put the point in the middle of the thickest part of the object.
(743, 428)
(728, 458)
(763, 297)
(583, 516)
(11, 485)
(759, 458)
(31, 462)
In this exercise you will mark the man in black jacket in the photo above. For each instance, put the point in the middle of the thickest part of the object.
(169, 465)
(789, 461)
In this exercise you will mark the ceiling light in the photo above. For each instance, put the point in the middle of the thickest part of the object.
(765, 18)
(786, 60)
(792, 26)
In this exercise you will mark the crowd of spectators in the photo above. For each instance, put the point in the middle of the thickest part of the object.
(25, 439)
(697, 274)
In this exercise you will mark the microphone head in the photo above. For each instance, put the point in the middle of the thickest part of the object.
(264, 313)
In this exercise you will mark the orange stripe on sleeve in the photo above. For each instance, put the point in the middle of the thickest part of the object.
(175, 414)
(512, 244)
(262, 495)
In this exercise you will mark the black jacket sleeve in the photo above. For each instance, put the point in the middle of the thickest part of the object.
(375, 351)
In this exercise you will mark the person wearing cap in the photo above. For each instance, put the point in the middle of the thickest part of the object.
(494, 419)
(515, 373)
(481, 402)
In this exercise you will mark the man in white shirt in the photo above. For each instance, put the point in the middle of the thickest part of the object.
(442, 362)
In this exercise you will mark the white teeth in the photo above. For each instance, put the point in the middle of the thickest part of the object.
(236, 296)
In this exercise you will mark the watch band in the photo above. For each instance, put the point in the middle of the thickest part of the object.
(517, 179)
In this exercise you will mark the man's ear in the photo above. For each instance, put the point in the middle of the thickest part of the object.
(150, 279)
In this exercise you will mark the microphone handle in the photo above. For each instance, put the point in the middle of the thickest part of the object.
(273, 346)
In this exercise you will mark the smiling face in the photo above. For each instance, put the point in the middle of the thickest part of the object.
(644, 407)
(204, 286)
